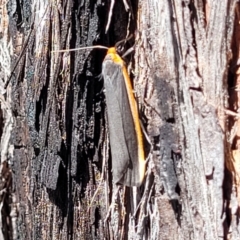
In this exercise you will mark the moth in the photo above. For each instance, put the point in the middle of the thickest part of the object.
(126, 139)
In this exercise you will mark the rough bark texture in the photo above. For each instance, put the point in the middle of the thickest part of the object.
(55, 173)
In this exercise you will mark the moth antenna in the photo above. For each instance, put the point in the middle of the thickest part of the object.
(124, 40)
(81, 48)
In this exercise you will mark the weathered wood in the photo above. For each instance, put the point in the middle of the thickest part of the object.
(58, 157)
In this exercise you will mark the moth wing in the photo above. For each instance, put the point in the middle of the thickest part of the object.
(123, 141)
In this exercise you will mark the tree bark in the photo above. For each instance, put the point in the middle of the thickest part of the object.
(56, 170)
